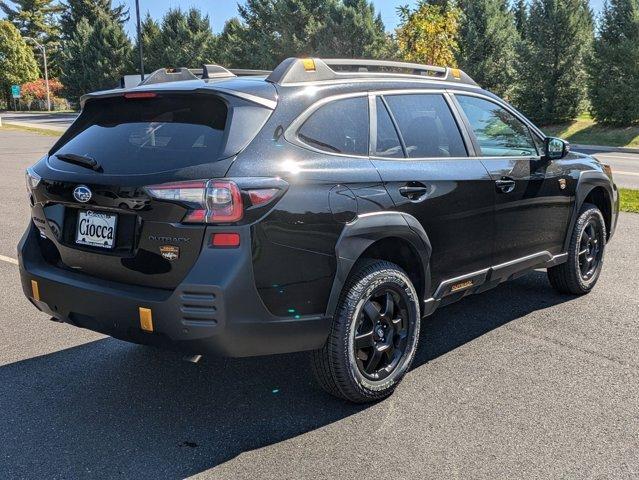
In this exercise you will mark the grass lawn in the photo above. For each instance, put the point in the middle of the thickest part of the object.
(629, 200)
(584, 131)
(40, 131)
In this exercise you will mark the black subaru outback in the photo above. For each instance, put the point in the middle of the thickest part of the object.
(326, 206)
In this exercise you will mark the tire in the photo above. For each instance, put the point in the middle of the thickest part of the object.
(376, 290)
(569, 277)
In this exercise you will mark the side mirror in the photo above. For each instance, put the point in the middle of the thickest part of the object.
(555, 148)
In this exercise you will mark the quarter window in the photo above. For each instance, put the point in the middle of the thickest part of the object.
(499, 132)
(426, 125)
(340, 126)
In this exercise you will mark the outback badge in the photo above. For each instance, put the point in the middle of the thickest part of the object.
(170, 252)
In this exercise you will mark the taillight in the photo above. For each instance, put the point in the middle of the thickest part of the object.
(210, 201)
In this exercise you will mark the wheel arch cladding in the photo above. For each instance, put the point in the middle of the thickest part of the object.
(593, 187)
(599, 197)
(393, 236)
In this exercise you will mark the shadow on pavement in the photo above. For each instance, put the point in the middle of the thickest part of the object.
(108, 408)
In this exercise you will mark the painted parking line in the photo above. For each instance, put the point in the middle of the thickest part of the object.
(8, 260)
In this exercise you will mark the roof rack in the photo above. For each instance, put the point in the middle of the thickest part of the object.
(207, 72)
(302, 70)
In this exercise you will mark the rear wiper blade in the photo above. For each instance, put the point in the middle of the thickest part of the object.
(81, 160)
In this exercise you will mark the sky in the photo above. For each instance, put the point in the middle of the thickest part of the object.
(221, 10)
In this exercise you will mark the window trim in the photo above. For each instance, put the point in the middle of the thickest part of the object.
(467, 133)
(291, 134)
(532, 129)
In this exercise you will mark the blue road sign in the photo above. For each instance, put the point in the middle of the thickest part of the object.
(15, 91)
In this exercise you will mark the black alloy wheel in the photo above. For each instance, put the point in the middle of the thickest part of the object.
(374, 334)
(580, 272)
(381, 333)
(590, 249)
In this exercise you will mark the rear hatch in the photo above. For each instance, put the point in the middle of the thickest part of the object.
(100, 198)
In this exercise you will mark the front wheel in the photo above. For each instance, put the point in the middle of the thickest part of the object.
(580, 273)
(373, 336)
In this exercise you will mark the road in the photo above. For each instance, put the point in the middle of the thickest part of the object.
(519, 382)
(625, 166)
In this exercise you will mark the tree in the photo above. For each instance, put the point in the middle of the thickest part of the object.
(95, 57)
(287, 28)
(487, 39)
(614, 66)
(551, 86)
(352, 30)
(34, 18)
(428, 34)
(520, 12)
(17, 63)
(184, 39)
(231, 45)
(75, 10)
(37, 19)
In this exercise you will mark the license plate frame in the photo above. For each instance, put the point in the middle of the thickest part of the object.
(106, 224)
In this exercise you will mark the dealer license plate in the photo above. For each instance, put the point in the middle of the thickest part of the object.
(96, 229)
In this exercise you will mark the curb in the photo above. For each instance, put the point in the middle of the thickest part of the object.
(603, 148)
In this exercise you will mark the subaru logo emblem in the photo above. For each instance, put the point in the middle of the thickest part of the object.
(82, 193)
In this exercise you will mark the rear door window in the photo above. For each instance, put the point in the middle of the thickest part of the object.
(150, 135)
(427, 125)
(340, 126)
(499, 133)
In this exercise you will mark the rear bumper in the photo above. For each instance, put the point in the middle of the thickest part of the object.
(215, 310)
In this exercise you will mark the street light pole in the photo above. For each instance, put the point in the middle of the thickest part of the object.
(137, 12)
(46, 70)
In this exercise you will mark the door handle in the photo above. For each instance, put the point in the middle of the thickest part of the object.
(505, 185)
(415, 192)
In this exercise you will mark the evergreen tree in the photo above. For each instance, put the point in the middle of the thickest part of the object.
(352, 30)
(95, 57)
(287, 28)
(17, 63)
(37, 19)
(551, 86)
(520, 12)
(614, 66)
(75, 10)
(277, 29)
(34, 18)
(231, 49)
(487, 39)
(184, 39)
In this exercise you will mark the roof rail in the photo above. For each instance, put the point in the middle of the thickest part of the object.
(301, 70)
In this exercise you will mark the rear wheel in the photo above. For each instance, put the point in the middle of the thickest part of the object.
(373, 336)
(580, 273)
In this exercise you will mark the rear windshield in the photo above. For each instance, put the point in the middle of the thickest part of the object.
(155, 134)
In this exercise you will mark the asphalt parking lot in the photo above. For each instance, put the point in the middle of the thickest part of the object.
(520, 382)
